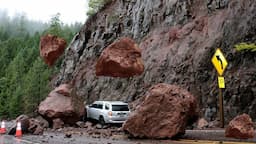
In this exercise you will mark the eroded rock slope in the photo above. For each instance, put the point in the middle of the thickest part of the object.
(177, 39)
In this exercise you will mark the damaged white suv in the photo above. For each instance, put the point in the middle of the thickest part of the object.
(108, 111)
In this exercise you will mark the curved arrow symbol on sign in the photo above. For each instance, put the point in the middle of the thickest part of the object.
(219, 59)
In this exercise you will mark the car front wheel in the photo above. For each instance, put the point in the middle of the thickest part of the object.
(102, 121)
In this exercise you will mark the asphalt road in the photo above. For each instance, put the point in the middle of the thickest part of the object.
(7, 139)
(191, 137)
(214, 135)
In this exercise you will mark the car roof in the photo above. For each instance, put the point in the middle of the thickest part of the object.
(112, 102)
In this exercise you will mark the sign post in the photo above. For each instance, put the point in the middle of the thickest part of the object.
(220, 63)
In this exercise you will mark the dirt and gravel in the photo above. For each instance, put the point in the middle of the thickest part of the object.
(78, 137)
(93, 133)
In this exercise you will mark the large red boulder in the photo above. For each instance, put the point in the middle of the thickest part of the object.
(164, 113)
(240, 127)
(51, 48)
(120, 59)
(62, 104)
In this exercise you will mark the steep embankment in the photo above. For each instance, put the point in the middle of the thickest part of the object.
(178, 39)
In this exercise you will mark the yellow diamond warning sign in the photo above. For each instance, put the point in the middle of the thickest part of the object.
(219, 61)
(221, 82)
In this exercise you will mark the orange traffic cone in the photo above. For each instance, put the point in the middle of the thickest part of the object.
(3, 129)
(18, 130)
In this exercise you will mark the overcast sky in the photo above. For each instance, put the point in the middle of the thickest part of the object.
(71, 10)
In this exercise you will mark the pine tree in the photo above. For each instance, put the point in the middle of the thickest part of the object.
(24, 77)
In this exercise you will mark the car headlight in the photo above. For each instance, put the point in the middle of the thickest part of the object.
(110, 113)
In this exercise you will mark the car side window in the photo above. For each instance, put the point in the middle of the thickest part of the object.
(100, 106)
(94, 106)
(106, 106)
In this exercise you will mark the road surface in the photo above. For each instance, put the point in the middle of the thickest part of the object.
(7, 139)
(191, 137)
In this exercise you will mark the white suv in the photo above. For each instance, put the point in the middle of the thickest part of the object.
(108, 111)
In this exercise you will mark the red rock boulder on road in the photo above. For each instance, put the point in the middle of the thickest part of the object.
(69, 108)
(164, 113)
(35, 127)
(57, 123)
(51, 48)
(240, 127)
(120, 59)
(202, 123)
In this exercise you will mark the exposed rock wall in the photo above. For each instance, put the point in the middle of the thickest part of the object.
(178, 39)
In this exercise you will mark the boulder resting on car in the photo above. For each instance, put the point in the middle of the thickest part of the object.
(164, 112)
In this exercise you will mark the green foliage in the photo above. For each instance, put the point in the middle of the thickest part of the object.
(57, 28)
(55, 25)
(96, 5)
(246, 47)
(36, 87)
(24, 77)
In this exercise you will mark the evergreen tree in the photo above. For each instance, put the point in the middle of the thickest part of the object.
(24, 77)
(55, 25)
(36, 88)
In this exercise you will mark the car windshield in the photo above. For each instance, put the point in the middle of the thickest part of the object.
(120, 108)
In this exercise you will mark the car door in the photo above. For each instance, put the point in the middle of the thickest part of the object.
(91, 111)
(98, 110)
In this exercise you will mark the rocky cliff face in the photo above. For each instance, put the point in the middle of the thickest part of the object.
(177, 39)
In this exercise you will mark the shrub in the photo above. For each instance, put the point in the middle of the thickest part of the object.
(96, 5)
(245, 47)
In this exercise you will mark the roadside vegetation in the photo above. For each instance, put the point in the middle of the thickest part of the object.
(24, 77)
(246, 47)
(96, 5)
